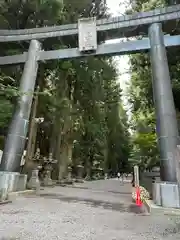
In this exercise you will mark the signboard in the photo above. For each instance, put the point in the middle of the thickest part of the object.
(87, 34)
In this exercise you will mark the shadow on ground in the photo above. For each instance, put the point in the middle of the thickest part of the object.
(114, 192)
(120, 207)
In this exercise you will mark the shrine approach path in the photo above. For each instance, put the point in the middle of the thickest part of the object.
(97, 210)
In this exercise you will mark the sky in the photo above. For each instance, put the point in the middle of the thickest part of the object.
(117, 8)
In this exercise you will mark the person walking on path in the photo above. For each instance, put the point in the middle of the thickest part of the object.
(122, 177)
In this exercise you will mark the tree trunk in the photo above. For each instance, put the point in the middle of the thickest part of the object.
(65, 148)
(63, 158)
(28, 166)
(55, 139)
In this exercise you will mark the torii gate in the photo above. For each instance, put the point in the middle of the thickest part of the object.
(147, 22)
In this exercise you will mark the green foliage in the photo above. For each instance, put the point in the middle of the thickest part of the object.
(7, 94)
(5, 112)
(143, 122)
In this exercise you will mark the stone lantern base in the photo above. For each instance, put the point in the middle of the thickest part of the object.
(69, 180)
(47, 181)
(34, 182)
(80, 170)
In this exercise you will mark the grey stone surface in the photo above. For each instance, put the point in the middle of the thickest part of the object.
(166, 194)
(156, 193)
(170, 195)
(89, 211)
(8, 183)
(21, 186)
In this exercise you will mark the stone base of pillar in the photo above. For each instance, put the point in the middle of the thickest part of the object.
(8, 183)
(34, 182)
(21, 186)
(166, 194)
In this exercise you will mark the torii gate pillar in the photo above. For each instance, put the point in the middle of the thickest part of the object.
(16, 138)
(167, 128)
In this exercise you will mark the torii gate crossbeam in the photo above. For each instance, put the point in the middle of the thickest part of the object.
(119, 48)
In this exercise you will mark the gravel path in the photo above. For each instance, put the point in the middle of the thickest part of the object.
(100, 210)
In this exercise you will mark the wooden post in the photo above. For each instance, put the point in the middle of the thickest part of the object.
(136, 176)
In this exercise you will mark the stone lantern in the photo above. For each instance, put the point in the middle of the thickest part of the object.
(48, 167)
